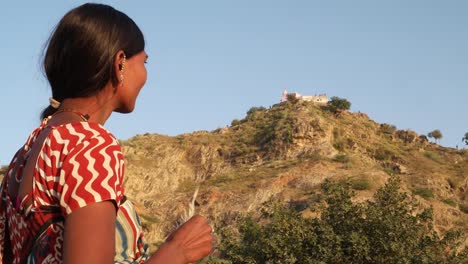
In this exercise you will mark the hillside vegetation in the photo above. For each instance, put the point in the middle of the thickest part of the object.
(280, 157)
(285, 153)
(390, 228)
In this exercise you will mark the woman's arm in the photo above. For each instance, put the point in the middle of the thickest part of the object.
(89, 237)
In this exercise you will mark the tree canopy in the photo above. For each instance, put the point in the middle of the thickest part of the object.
(465, 138)
(388, 229)
(436, 134)
(337, 104)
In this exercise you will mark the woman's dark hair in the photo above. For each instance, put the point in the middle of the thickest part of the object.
(80, 55)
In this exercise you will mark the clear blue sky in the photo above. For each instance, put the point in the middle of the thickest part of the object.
(401, 62)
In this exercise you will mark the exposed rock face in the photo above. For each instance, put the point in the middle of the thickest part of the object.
(285, 153)
(206, 160)
(311, 136)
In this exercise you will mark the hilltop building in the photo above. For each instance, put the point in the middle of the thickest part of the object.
(318, 99)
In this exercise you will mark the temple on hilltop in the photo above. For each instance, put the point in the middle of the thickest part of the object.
(317, 99)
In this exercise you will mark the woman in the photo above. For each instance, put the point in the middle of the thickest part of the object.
(62, 196)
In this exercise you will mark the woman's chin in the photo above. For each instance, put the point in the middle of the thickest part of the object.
(124, 110)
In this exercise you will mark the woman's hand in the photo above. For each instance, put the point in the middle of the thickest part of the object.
(191, 242)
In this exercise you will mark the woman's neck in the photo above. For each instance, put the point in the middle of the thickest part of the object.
(97, 108)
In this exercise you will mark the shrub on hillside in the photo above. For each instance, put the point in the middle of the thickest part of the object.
(450, 202)
(436, 134)
(214, 260)
(236, 122)
(255, 109)
(384, 154)
(465, 138)
(463, 208)
(424, 193)
(343, 158)
(275, 133)
(360, 184)
(339, 145)
(255, 113)
(388, 229)
(408, 136)
(387, 128)
(432, 155)
(337, 104)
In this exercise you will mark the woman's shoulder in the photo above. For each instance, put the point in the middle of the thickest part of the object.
(70, 135)
(83, 131)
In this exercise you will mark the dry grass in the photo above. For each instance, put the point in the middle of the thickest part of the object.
(252, 173)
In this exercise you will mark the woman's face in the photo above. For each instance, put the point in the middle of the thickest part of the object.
(134, 77)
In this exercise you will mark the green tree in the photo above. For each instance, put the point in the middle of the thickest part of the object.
(235, 122)
(388, 229)
(388, 128)
(337, 104)
(436, 134)
(255, 109)
(465, 138)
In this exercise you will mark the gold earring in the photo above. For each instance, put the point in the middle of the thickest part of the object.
(122, 67)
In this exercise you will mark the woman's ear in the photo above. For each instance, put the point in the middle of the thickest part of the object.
(119, 67)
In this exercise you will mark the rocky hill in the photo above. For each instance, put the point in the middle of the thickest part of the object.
(285, 152)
